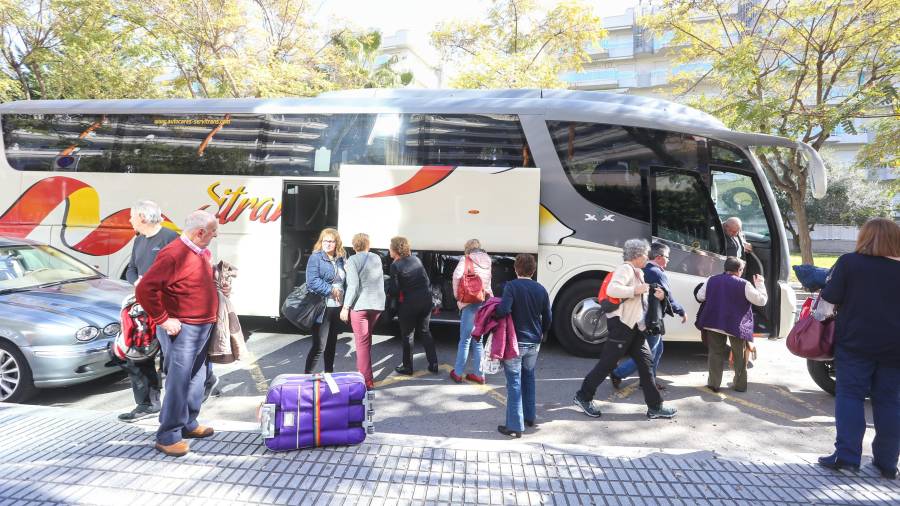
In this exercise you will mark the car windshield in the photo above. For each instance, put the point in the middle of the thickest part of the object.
(26, 266)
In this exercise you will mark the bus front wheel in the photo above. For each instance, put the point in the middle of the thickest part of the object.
(578, 323)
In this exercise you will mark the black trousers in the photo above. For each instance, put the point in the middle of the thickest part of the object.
(415, 319)
(324, 333)
(623, 341)
(145, 384)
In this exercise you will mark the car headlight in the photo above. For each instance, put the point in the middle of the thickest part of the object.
(112, 329)
(87, 333)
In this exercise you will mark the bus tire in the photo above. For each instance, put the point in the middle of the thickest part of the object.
(578, 323)
(822, 372)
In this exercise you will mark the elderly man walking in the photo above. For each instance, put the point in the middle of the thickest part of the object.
(178, 292)
(146, 220)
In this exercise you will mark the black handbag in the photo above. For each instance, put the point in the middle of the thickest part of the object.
(303, 307)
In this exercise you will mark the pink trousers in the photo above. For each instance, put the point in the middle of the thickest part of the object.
(362, 323)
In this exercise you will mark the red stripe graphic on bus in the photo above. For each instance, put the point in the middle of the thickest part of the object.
(108, 236)
(425, 178)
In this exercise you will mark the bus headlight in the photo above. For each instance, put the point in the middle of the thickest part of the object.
(87, 333)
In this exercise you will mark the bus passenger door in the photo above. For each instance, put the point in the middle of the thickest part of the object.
(683, 217)
(308, 207)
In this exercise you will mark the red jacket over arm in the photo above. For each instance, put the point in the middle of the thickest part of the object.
(179, 285)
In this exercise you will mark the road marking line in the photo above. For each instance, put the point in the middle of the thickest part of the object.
(262, 384)
(624, 392)
(752, 405)
(785, 392)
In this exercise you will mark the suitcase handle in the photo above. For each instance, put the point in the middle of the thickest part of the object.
(329, 380)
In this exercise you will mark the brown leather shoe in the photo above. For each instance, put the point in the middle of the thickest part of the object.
(198, 433)
(177, 449)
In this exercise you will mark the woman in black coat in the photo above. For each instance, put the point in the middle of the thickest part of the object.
(867, 347)
(412, 289)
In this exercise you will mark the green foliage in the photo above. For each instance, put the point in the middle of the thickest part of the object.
(362, 69)
(794, 68)
(51, 49)
(518, 46)
(180, 48)
(852, 198)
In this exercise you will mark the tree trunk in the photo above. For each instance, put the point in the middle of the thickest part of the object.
(799, 209)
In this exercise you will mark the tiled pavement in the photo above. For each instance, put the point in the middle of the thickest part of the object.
(60, 455)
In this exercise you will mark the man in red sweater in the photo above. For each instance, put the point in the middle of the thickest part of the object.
(179, 293)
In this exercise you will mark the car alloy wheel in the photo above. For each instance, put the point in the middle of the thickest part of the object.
(15, 375)
(10, 375)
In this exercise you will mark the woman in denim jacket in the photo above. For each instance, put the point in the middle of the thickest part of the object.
(325, 276)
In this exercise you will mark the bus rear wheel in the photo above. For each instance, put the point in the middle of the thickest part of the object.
(822, 372)
(578, 323)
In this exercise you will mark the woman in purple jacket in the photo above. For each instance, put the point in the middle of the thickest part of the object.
(728, 316)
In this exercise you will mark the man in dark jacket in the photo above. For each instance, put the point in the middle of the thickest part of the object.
(735, 244)
(146, 220)
(654, 274)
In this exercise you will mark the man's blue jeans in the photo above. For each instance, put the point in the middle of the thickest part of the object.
(466, 324)
(628, 367)
(520, 387)
(858, 376)
(185, 365)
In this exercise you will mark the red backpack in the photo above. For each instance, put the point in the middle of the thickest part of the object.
(470, 289)
(607, 304)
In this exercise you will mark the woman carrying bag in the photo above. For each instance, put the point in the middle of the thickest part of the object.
(472, 286)
(863, 285)
(325, 276)
(363, 302)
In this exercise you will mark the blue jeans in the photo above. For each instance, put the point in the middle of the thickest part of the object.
(520, 386)
(466, 324)
(858, 376)
(628, 367)
(184, 358)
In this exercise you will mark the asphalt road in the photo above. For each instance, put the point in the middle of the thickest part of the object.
(783, 411)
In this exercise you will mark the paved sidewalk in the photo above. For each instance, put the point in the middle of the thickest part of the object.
(62, 455)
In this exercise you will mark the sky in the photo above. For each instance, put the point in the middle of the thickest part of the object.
(389, 16)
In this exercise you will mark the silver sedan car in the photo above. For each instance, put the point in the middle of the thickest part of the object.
(58, 317)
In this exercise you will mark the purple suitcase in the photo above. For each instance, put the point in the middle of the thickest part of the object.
(311, 410)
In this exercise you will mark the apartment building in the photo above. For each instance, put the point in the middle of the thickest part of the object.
(632, 60)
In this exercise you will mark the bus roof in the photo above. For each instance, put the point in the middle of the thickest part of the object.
(589, 106)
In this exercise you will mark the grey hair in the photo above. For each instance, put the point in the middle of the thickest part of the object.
(734, 264)
(735, 221)
(634, 248)
(658, 249)
(198, 219)
(149, 210)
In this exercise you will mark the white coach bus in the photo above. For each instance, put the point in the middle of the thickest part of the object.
(568, 176)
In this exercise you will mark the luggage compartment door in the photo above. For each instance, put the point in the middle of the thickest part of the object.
(439, 208)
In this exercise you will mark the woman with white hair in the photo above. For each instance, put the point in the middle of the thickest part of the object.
(626, 333)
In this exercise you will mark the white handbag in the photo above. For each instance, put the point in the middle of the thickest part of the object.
(489, 365)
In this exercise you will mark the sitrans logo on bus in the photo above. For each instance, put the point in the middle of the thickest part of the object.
(233, 202)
